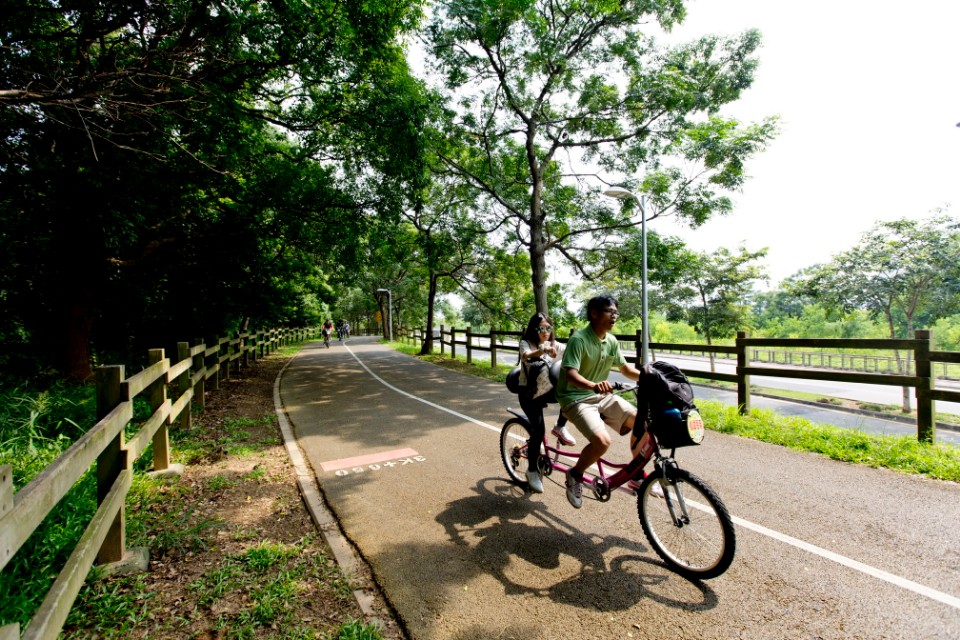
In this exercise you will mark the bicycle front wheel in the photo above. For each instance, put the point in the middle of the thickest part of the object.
(514, 438)
(688, 527)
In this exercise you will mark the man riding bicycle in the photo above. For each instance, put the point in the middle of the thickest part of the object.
(584, 392)
(327, 330)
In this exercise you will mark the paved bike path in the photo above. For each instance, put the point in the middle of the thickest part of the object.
(461, 553)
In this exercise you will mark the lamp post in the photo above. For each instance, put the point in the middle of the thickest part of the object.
(389, 313)
(623, 194)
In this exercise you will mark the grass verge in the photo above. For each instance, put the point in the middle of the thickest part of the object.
(904, 454)
(233, 551)
(887, 409)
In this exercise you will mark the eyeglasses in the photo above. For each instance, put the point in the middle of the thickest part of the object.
(612, 312)
(544, 329)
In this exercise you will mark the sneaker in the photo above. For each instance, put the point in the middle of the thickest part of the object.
(564, 436)
(574, 491)
(633, 485)
(533, 479)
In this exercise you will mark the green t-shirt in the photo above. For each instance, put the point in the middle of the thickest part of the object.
(593, 357)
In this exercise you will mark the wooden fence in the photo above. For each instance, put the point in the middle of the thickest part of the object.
(198, 369)
(748, 352)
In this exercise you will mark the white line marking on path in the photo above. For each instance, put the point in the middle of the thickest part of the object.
(895, 580)
(419, 399)
(880, 574)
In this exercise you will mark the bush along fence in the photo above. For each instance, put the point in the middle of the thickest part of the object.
(198, 369)
(756, 357)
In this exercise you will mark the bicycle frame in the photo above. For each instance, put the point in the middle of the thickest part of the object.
(684, 519)
(602, 484)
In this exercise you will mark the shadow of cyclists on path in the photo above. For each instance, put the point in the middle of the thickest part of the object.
(530, 550)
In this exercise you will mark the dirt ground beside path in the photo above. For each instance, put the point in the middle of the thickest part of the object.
(237, 497)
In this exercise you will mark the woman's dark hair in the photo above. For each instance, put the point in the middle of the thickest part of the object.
(600, 304)
(531, 335)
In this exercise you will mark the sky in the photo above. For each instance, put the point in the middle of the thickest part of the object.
(869, 99)
(868, 95)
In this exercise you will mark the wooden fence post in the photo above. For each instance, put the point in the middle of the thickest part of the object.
(453, 343)
(111, 462)
(158, 395)
(183, 384)
(469, 345)
(443, 347)
(926, 423)
(200, 364)
(493, 349)
(212, 362)
(743, 381)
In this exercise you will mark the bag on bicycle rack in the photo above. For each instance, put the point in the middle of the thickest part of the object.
(539, 385)
(668, 396)
(513, 380)
(546, 381)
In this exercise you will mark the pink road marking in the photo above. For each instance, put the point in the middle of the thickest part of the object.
(372, 458)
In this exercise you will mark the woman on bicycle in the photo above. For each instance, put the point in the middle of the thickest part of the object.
(538, 350)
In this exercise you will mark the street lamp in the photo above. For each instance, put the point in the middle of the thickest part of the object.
(623, 194)
(389, 313)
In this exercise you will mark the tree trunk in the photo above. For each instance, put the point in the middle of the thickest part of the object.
(538, 250)
(79, 324)
(713, 363)
(427, 346)
(538, 260)
(905, 407)
(384, 317)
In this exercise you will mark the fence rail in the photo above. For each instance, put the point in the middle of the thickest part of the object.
(199, 369)
(759, 357)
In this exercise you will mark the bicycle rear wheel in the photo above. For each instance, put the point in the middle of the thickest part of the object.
(513, 449)
(699, 543)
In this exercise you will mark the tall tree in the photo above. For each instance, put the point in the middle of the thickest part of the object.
(902, 271)
(713, 292)
(138, 139)
(543, 87)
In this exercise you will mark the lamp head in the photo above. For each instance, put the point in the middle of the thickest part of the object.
(619, 193)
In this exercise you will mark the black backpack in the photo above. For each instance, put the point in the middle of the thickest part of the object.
(666, 396)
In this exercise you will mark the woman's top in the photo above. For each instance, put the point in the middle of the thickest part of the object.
(525, 346)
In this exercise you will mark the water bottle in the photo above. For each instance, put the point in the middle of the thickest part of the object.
(672, 418)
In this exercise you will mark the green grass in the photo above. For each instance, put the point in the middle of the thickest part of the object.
(36, 427)
(903, 454)
(271, 575)
(900, 453)
(888, 409)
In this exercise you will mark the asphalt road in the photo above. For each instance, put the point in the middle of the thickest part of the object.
(406, 455)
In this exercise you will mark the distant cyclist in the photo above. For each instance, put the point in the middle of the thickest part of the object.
(327, 331)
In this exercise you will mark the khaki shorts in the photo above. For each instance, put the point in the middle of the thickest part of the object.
(593, 415)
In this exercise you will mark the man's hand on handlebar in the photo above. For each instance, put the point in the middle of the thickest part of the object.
(602, 387)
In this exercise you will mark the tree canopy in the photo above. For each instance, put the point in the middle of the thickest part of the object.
(181, 170)
(539, 88)
(183, 166)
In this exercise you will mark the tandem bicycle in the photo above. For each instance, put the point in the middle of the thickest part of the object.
(684, 520)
